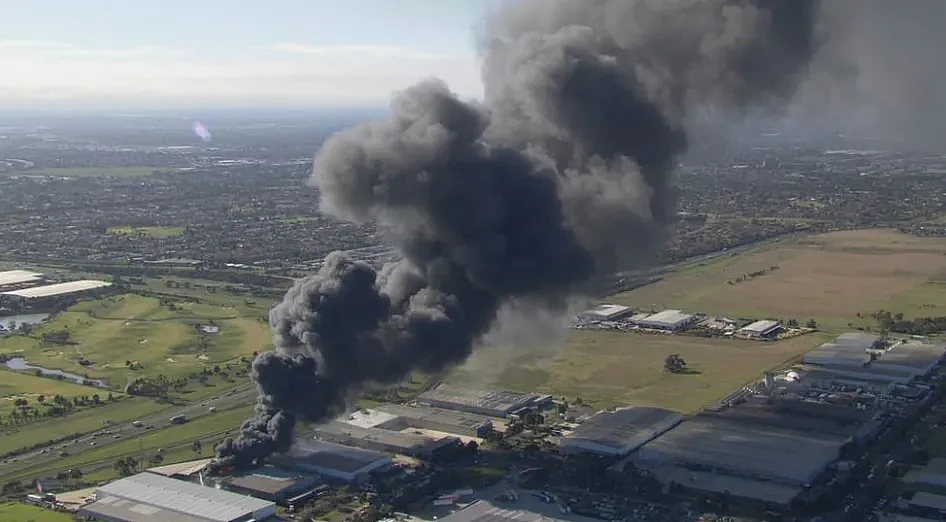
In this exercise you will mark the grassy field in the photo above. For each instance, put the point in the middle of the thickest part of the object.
(612, 368)
(147, 231)
(83, 421)
(84, 172)
(18, 512)
(831, 278)
(160, 336)
(17, 385)
(207, 429)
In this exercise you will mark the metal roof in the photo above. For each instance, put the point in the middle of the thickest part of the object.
(500, 401)
(761, 327)
(624, 427)
(334, 456)
(447, 417)
(482, 511)
(667, 318)
(157, 492)
(58, 288)
(14, 277)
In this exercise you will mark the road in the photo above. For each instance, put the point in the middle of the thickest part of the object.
(242, 395)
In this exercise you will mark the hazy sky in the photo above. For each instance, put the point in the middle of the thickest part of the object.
(232, 52)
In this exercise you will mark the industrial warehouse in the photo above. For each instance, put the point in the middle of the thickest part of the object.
(483, 511)
(270, 483)
(333, 461)
(58, 289)
(621, 431)
(17, 279)
(754, 451)
(492, 403)
(151, 497)
(385, 441)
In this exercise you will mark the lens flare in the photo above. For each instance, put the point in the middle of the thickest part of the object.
(202, 131)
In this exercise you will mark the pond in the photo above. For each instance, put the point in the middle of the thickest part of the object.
(20, 364)
(5, 322)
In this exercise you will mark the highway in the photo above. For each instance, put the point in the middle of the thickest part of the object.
(114, 433)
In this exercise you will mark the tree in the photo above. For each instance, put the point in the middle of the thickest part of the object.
(96, 399)
(156, 459)
(41, 399)
(792, 323)
(674, 363)
(811, 324)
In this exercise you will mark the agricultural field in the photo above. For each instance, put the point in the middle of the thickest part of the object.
(128, 336)
(19, 512)
(147, 231)
(831, 278)
(608, 368)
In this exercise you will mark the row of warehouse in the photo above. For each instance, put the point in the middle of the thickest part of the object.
(27, 285)
(620, 316)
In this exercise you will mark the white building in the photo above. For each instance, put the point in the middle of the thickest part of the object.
(606, 312)
(335, 460)
(149, 496)
(760, 329)
(670, 320)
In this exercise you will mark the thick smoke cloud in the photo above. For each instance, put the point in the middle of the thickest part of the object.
(564, 173)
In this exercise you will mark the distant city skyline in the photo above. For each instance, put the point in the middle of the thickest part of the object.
(211, 53)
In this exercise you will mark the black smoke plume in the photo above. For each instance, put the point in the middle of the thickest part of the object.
(564, 173)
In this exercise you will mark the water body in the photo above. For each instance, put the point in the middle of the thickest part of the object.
(21, 319)
(20, 364)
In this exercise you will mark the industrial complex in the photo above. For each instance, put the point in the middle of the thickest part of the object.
(334, 461)
(621, 431)
(151, 497)
(29, 286)
(492, 403)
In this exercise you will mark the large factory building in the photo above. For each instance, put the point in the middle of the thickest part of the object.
(621, 431)
(435, 419)
(147, 497)
(492, 403)
(385, 441)
(345, 463)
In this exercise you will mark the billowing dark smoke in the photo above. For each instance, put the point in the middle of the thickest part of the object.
(565, 172)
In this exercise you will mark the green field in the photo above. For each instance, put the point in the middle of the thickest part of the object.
(27, 386)
(609, 368)
(84, 421)
(831, 278)
(18, 512)
(128, 336)
(146, 231)
(85, 172)
(206, 429)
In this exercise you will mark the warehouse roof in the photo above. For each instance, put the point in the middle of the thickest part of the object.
(929, 500)
(862, 340)
(607, 311)
(623, 427)
(841, 354)
(761, 327)
(182, 468)
(15, 277)
(58, 289)
(482, 511)
(408, 443)
(268, 479)
(155, 493)
(367, 418)
(115, 508)
(667, 318)
(497, 400)
(756, 450)
(334, 456)
(448, 417)
(914, 354)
